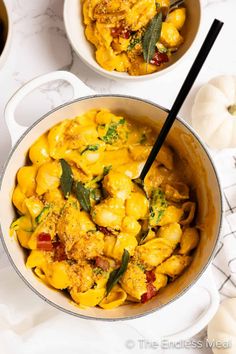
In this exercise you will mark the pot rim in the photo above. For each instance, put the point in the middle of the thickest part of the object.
(197, 277)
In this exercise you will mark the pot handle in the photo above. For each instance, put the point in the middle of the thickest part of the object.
(16, 129)
(206, 283)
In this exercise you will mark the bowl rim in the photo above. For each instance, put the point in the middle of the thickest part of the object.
(197, 276)
(115, 75)
(6, 45)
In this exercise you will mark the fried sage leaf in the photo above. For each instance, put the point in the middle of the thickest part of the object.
(134, 41)
(83, 196)
(66, 178)
(151, 37)
(116, 274)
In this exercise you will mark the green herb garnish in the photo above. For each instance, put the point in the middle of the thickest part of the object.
(112, 135)
(116, 274)
(133, 43)
(151, 37)
(98, 271)
(106, 170)
(66, 178)
(96, 194)
(42, 214)
(90, 148)
(158, 206)
(141, 266)
(83, 196)
(161, 48)
(98, 178)
(17, 224)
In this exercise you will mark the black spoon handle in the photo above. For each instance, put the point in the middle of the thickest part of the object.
(186, 87)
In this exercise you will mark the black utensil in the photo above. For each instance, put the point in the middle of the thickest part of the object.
(186, 87)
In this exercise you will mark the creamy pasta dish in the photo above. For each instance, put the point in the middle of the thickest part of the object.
(134, 36)
(87, 227)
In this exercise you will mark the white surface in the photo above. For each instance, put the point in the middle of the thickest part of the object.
(220, 328)
(39, 45)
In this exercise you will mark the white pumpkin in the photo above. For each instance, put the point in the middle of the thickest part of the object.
(222, 328)
(214, 112)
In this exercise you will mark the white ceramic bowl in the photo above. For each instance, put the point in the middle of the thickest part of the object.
(6, 35)
(73, 20)
(181, 137)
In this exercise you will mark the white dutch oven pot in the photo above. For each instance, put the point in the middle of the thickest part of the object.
(177, 316)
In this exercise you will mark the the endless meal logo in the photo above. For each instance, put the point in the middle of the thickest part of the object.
(187, 344)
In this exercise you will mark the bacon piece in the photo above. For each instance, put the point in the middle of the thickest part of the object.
(159, 58)
(59, 251)
(151, 292)
(120, 31)
(105, 231)
(150, 276)
(44, 242)
(102, 263)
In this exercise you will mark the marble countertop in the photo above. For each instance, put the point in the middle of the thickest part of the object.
(39, 45)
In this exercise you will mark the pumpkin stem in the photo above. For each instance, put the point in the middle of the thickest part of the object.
(232, 109)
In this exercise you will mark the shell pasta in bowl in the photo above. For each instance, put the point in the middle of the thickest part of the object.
(120, 31)
(132, 39)
(87, 227)
(83, 235)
